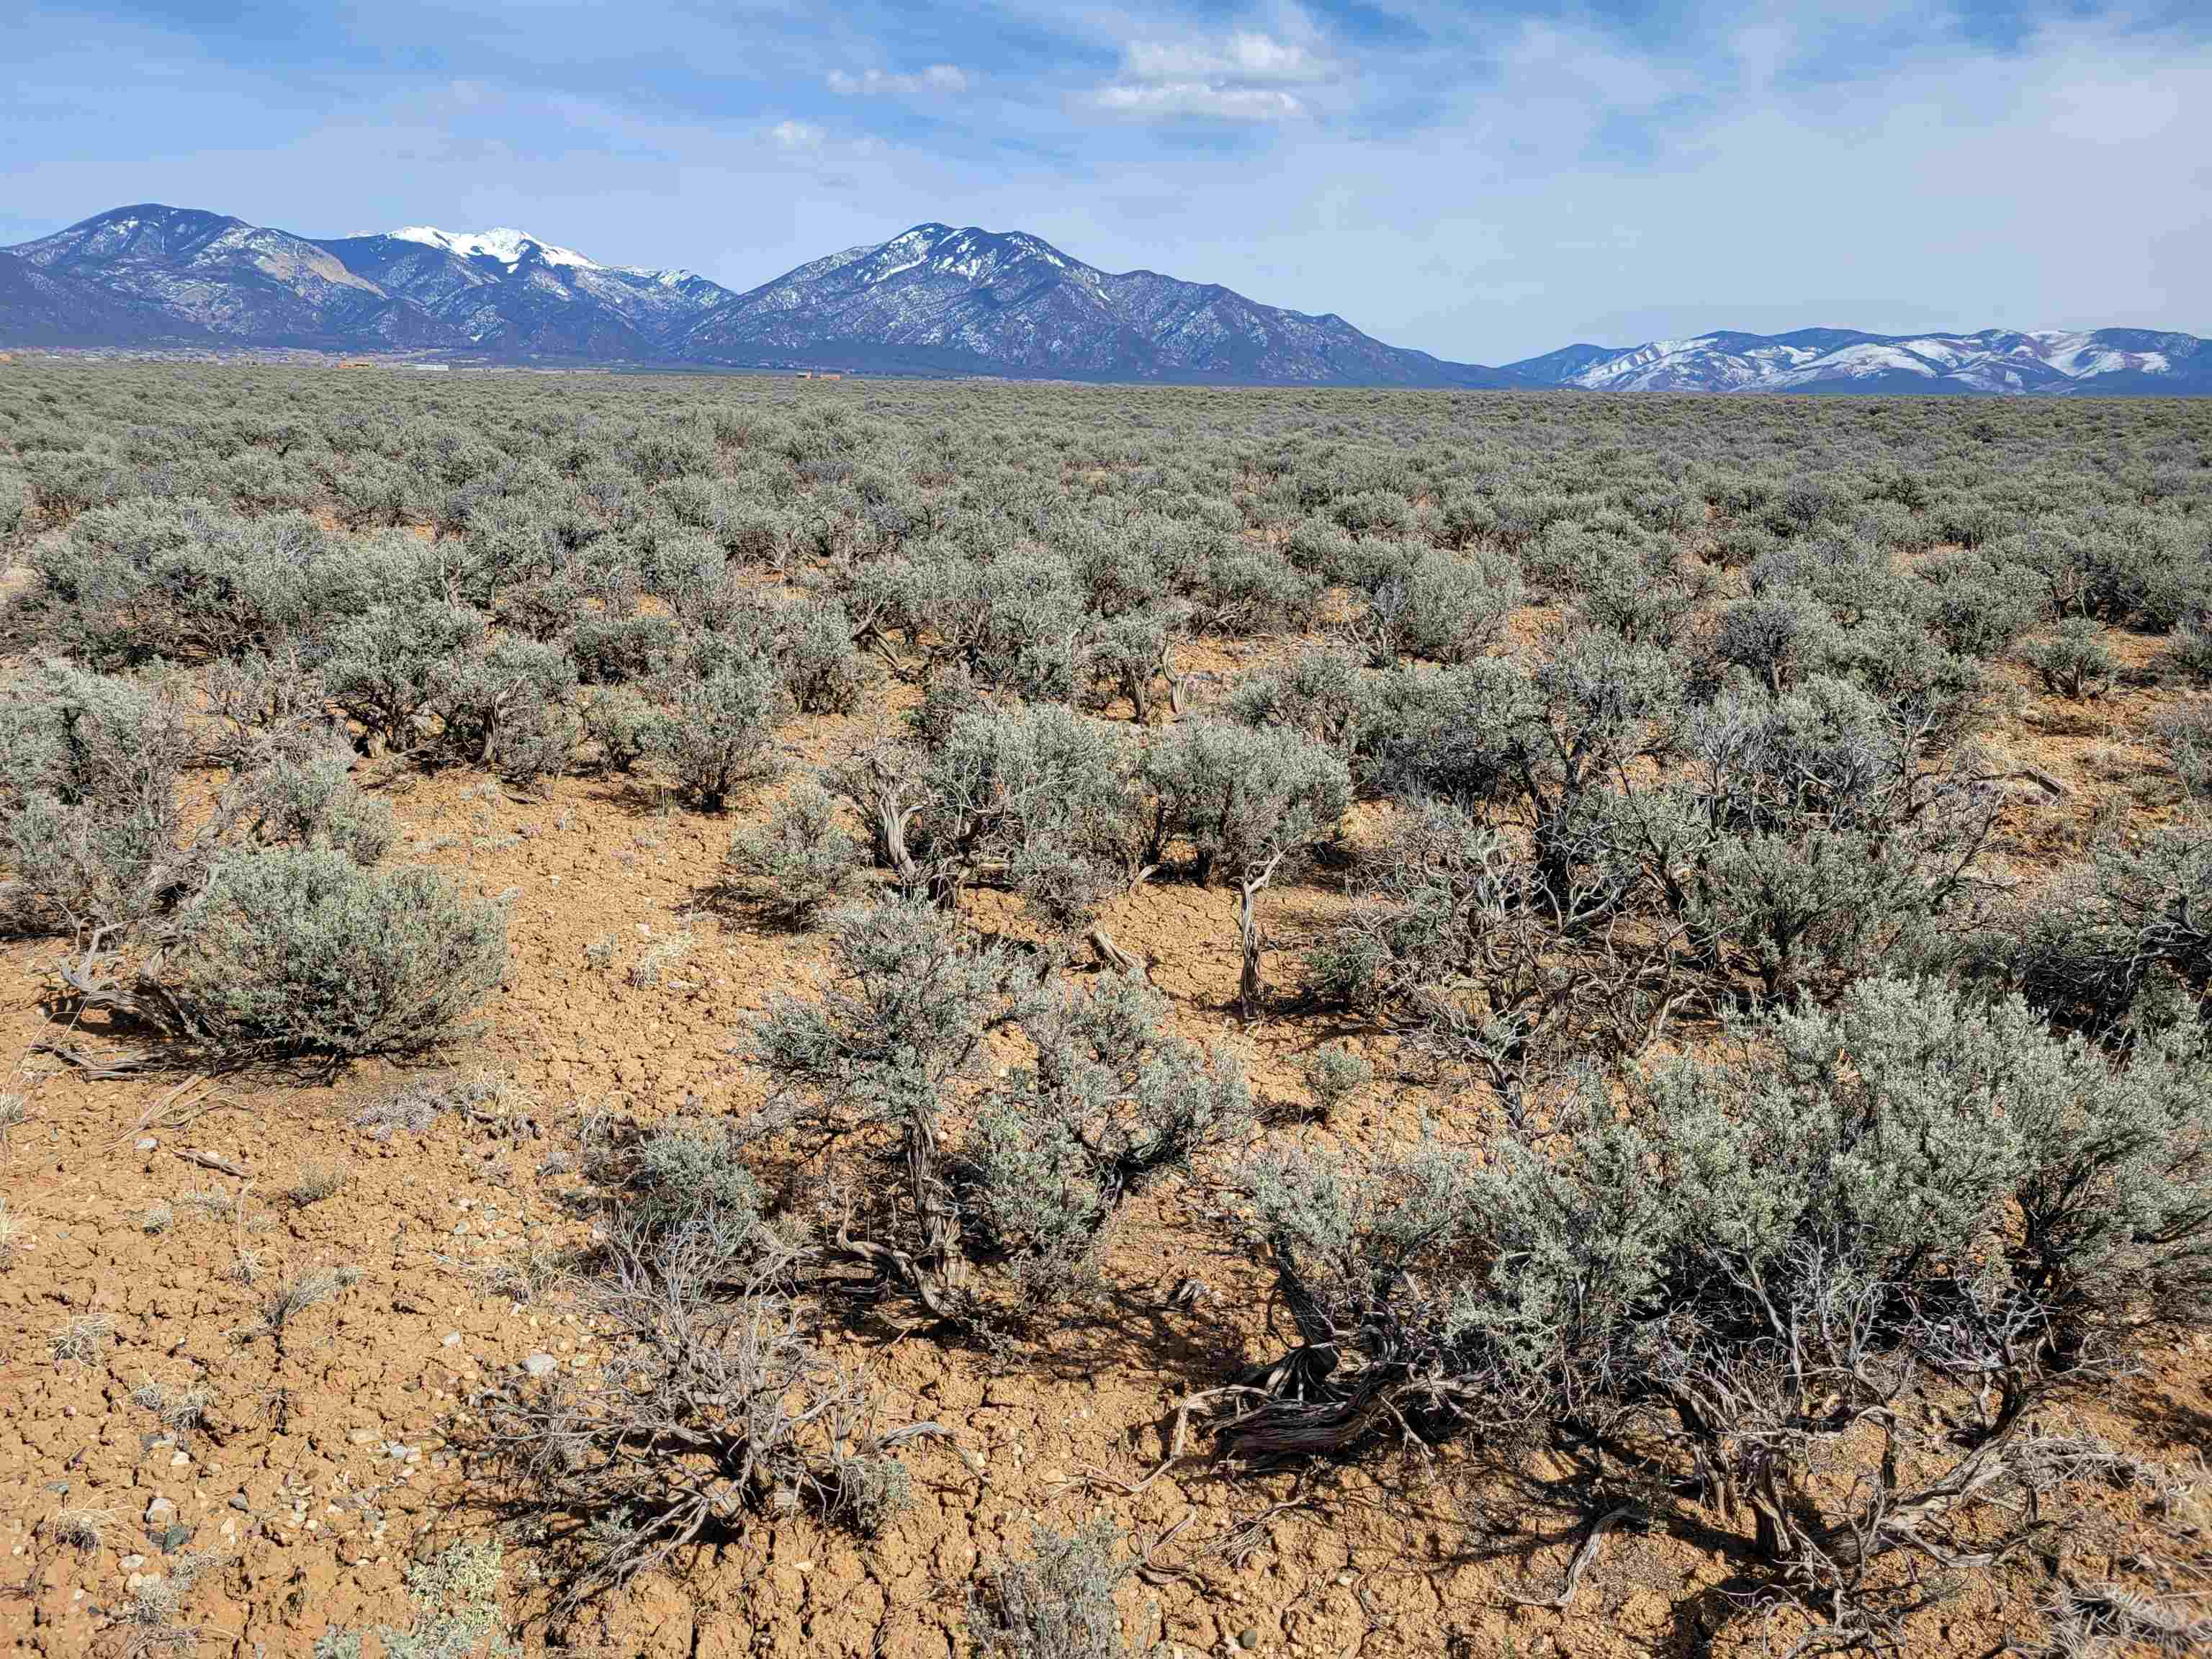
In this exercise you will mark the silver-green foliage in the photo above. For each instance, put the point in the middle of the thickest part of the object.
(2131, 918)
(1241, 796)
(720, 733)
(456, 1594)
(1913, 1175)
(1058, 1604)
(801, 859)
(1111, 1101)
(295, 950)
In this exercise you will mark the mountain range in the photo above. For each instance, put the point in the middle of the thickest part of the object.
(933, 300)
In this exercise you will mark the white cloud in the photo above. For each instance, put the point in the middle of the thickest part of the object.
(1201, 98)
(1244, 77)
(1484, 192)
(870, 83)
(1244, 59)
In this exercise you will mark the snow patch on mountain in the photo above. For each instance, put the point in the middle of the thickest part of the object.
(502, 243)
(1999, 361)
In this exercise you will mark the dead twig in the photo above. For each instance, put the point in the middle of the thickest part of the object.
(214, 1161)
(1580, 1565)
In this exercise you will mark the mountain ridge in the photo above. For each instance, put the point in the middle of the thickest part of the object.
(967, 301)
(1999, 361)
(936, 299)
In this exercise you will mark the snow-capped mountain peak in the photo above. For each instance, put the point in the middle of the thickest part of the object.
(934, 299)
(502, 243)
(674, 277)
(2003, 362)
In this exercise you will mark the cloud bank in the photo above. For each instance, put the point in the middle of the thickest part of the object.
(1483, 183)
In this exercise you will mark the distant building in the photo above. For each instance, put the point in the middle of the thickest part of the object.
(431, 368)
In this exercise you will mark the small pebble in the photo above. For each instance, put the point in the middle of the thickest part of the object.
(147, 1143)
(1247, 1637)
(453, 1339)
(541, 1364)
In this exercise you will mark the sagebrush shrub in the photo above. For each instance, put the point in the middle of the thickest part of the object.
(821, 669)
(315, 803)
(1322, 693)
(384, 669)
(1335, 1075)
(1059, 1604)
(720, 732)
(2105, 931)
(2186, 735)
(709, 1371)
(902, 1019)
(2191, 652)
(801, 859)
(1443, 607)
(505, 706)
(626, 728)
(615, 650)
(2074, 661)
(1112, 1101)
(293, 952)
(1239, 795)
(1918, 1182)
(1041, 798)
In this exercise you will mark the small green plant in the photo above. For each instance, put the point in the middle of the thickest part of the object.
(801, 859)
(421, 1100)
(456, 1595)
(78, 1340)
(315, 1182)
(80, 1528)
(2074, 661)
(152, 1620)
(1059, 1604)
(180, 1410)
(1335, 1075)
(291, 1296)
(653, 966)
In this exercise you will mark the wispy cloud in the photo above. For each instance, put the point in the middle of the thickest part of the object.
(870, 83)
(1203, 98)
(1484, 183)
(1247, 76)
(1244, 59)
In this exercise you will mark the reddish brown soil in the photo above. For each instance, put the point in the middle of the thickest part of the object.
(325, 1469)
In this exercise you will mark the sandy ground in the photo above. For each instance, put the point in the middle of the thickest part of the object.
(324, 1465)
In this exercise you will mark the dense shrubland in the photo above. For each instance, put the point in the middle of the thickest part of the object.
(1802, 1142)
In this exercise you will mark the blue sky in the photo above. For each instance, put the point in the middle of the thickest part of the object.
(1483, 182)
